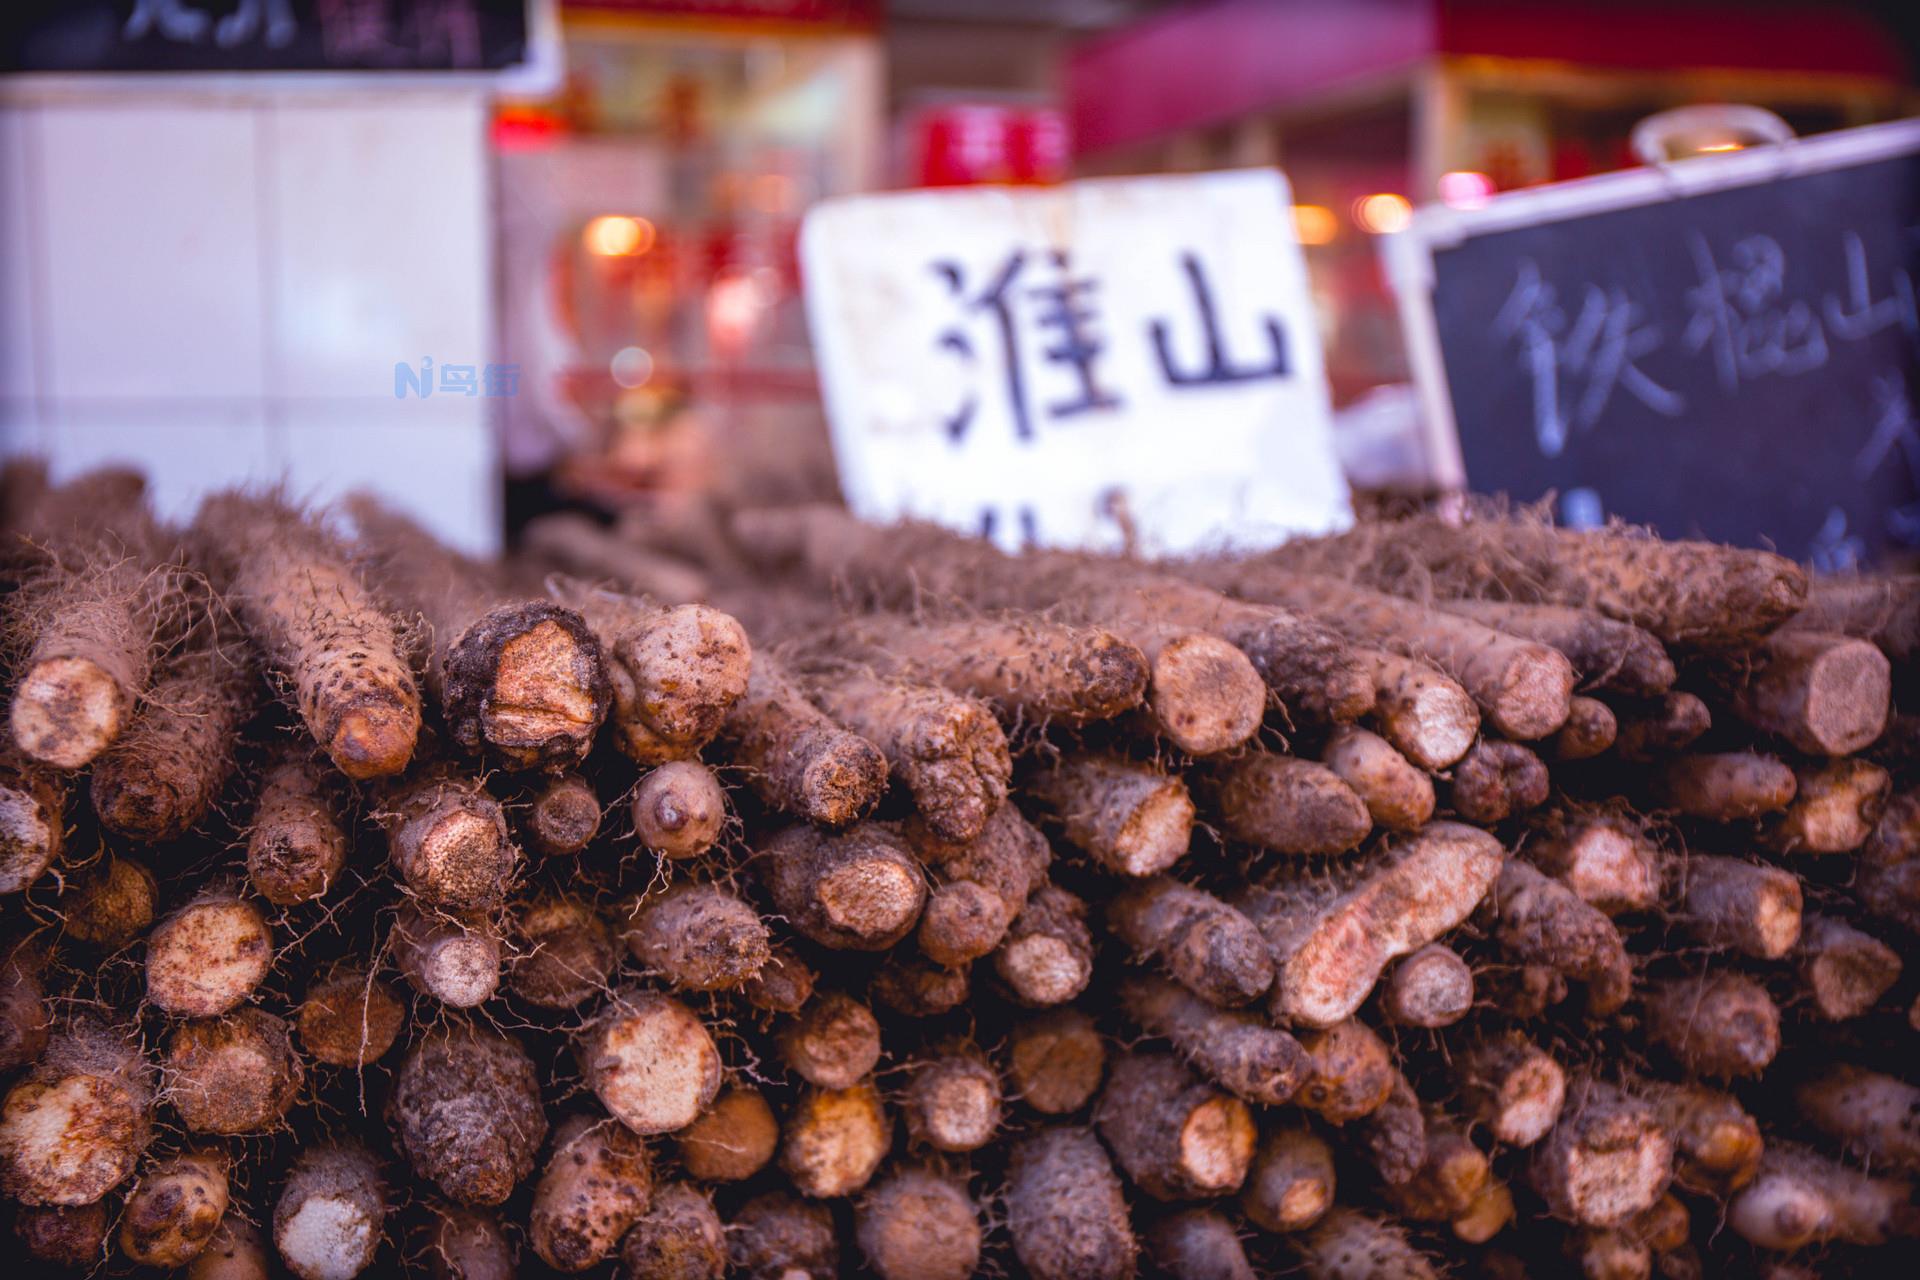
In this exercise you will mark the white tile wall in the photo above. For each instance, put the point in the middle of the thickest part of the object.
(217, 286)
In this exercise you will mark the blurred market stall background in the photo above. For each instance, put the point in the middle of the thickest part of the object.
(490, 258)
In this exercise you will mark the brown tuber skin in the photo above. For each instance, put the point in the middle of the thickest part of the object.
(350, 1018)
(1127, 817)
(1206, 945)
(1513, 1087)
(1065, 1209)
(238, 1251)
(783, 985)
(1607, 863)
(1047, 957)
(454, 959)
(1716, 1144)
(1398, 794)
(73, 1127)
(1607, 1160)
(1876, 1117)
(1720, 1024)
(984, 884)
(1330, 947)
(1801, 1199)
(564, 816)
(112, 906)
(1055, 1061)
(1177, 1137)
(32, 822)
(331, 1215)
(448, 839)
(696, 937)
(1888, 869)
(1538, 920)
(1824, 694)
(1589, 731)
(1724, 788)
(945, 748)
(918, 1224)
(319, 629)
(834, 1140)
(465, 1244)
(1431, 988)
(1605, 654)
(1351, 1075)
(1286, 805)
(1290, 1184)
(1660, 727)
(679, 1237)
(296, 846)
(1835, 808)
(1496, 780)
(1843, 970)
(208, 957)
(1346, 1245)
(796, 759)
(776, 1237)
(1454, 1174)
(174, 1211)
(679, 810)
(915, 987)
(834, 1042)
(857, 891)
(1420, 710)
(1751, 908)
(1237, 1050)
(564, 954)
(652, 1064)
(952, 1101)
(1198, 1244)
(237, 1074)
(466, 1111)
(73, 1238)
(598, 1182)
(732, 1140)
(24, 1019)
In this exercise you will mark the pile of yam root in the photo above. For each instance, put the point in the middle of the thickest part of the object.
(761, 893)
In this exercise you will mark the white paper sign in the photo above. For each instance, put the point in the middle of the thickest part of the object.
(1047, 365)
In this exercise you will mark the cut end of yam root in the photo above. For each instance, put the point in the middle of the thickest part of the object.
(208, 957)
(1205, 694)
(67, 711)
(528, 682)
(374, 740)
(651, 1063)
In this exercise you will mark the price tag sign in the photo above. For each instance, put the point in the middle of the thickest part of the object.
(1065, 366)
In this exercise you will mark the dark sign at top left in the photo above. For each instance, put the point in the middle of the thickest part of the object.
(73, 36)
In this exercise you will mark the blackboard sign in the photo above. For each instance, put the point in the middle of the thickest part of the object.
(262, 35)
(1725, 347)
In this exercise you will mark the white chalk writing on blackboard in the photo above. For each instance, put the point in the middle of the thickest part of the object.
(1740, 311)
(350, 30)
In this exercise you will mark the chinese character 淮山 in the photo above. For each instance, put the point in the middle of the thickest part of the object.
(1576, 364)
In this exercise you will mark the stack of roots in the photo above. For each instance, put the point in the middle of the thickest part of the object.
(764, 893)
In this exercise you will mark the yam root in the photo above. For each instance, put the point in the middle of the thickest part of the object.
(1198, 1244)
(697, 937)
(296, 845)
(1286, 805)
(1751, 908)
(237, 1074)
(1453, 1176)
(777, 1237)
(1590, 730)
(1398, 795)
(24, 1017)
(1722, 1024)
(1348, 1245)
(914, 987)
(1606, 654)
(1056, 1060)
(784, 983)
(564, 953)
(448, 839)
(796, 759)
(70, 1237)
(732, 1140)
(1824, 694)
(1875, 1117)
(563, 817)
(32, 822)
(833, 1042)
(918, 1224)
(112, 905)
(1206, 945)
(320, 630)
(1843, 970)
(598, 1182)
(1331, 942)
(1421, 710)
(1431, 988)
(834, 1140)
(1647, 730)
(651, 1063)
(1606, 1160)
(1236, 1050)
(1496, 780)
(1512, 1086)
(1716, 1144)
(952, 1100)
(1065, 1209)
(238, 1251)
(331, 1215)
(208, 957)
(1127, 817)
(680, 1237)
(579, 544)
(857, 891)
(1800, 1199)
(1887, 878)
(452, 959)
(1176, 1136)
(1607, 863)
(1538, 920)
(459, 1243)
(1835, 808)
(172, 1215)
(465, 1109)
(1350, 1075)
(1290, 1184)
(674, 673)
(1394, 1137)
(679, 810)
(349, 1018)
(984, 885)
(1725, 787)
(1047, 957)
